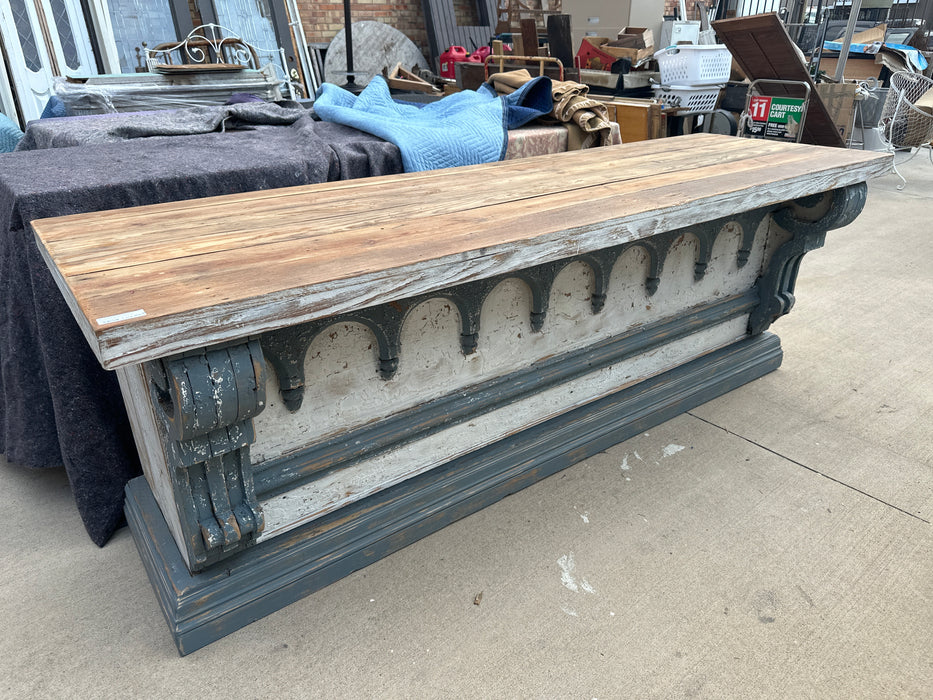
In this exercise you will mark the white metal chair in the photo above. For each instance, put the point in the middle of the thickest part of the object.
(904, 126)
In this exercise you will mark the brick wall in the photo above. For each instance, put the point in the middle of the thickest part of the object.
(466, 13)
(672, 8)
(322, 20)
(195, 14)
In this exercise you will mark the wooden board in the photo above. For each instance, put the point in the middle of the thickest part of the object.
(763, 49)
(147, 282)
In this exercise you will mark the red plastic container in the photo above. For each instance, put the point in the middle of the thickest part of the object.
(454, 54)
(479, 56)
(592, 57)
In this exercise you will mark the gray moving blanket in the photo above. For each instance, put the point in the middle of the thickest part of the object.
(57, 405)
(119, 126)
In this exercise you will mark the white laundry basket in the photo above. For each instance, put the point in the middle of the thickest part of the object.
(694, 65)
(688, 99)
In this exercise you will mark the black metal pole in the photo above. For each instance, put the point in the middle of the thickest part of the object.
(348, 37)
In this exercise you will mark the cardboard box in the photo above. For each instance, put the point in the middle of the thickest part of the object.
(858, 67)
(840, 103)
(870, 36)
(634, 55)
(925, 103)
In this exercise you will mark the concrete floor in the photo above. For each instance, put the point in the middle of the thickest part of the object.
(774, 543)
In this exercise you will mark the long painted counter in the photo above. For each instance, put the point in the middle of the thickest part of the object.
(319, 375)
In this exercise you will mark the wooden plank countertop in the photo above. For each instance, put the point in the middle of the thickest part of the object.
(147, 282)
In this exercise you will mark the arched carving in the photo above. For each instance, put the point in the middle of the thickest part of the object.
(285, 349)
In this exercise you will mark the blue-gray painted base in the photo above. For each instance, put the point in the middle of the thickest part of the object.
(201, 608)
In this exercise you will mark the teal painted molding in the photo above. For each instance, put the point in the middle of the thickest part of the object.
(203, 607)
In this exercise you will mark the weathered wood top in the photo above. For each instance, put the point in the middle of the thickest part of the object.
(147, 282)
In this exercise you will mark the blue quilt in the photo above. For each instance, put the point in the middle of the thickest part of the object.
(466, 128)
(10, 134)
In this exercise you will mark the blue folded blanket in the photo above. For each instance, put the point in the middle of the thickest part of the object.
(466, 128)
(10, 135)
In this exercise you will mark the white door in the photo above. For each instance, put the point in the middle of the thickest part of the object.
(34, 58)
(71, 45)
(7, 99)
(29, 62)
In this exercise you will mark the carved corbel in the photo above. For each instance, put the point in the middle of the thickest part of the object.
(601, 262)
(808, 220)
(749, 222)
(206, 402)
(657, 248)
(469, 298)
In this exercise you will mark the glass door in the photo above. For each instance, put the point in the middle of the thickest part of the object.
(135, 22)
(70, 43)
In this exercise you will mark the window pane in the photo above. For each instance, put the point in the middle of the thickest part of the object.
(26, 38)
(65, 35)
(251, 20)
(138, 21)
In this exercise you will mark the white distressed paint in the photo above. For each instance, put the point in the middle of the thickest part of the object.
(585, 516)
(625, 466)
(568, 610)
(343, 389)
(147, 434)
(334, 490)
(671, 450)
(567, 566)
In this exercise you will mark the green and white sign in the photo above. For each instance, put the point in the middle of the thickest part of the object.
(774, 117)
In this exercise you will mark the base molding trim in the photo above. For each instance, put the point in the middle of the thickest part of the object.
(201, 608)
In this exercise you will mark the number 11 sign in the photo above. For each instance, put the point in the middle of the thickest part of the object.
(774, 117)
